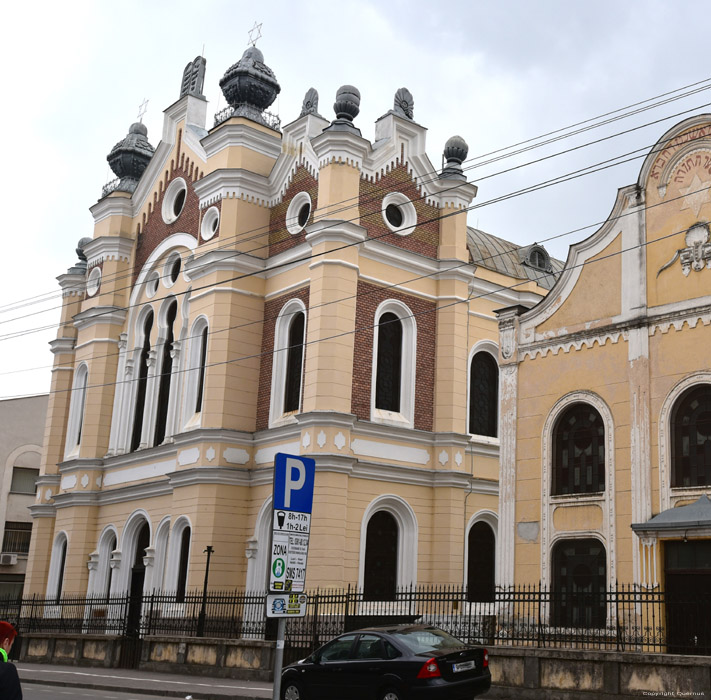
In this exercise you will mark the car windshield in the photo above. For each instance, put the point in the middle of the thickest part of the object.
(423, 640)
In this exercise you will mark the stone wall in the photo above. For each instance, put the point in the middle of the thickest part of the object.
(532, 674)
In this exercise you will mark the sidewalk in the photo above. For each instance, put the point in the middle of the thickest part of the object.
(148, 682)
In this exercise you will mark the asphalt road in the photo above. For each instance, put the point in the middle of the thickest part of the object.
(48, 692)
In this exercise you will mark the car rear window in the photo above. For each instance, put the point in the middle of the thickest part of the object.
(422, 640)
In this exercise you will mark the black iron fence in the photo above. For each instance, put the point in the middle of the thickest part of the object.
(625, 618)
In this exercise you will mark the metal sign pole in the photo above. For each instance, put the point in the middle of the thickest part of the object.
(279, 657)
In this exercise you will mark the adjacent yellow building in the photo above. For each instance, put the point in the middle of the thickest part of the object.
(606, 398)
(252, 289)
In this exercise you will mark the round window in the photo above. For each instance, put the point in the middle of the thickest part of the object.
(94, 282)
(210, 223)
(399, 214)
(174, 200)
(298, 213)
(171, 269)
(152, 284)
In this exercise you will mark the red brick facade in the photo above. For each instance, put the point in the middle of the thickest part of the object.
(425, 238)
(370, 297)
(279, 237)
(271, 312)
(153, 229)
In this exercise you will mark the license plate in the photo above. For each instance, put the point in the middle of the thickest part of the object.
(464, 666)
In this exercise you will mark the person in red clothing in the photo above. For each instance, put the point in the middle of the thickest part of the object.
(9, 680)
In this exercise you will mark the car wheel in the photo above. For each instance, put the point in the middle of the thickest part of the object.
(391, 694)
(292, 691)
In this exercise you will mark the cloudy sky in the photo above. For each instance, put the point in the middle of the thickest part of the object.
(496, 73)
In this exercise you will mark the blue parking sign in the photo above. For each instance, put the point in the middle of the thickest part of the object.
(294, 478)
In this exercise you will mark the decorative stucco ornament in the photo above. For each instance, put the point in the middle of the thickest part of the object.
(129, 158)
(250, 86)
(507, 336)
(455, 152)
(404, 105)
(310, 103)
(346, 107)
(697, 254)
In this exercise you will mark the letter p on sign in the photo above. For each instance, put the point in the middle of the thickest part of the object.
(294, 483)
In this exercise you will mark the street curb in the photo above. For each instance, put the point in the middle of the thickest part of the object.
(197, 695)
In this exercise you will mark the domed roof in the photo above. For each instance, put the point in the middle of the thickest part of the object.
(129, 158)
(250, 85)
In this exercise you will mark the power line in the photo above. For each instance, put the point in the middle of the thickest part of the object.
(225, 242)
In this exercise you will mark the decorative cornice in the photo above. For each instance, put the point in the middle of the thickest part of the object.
(332, 146)
(239, 133)
(226, 476)
(79, 464)
(43, 511)
(108, 248)
(230, 261)
(112, 206)
(235, 183)
(334, 231)
(151, 489)
(72, 284)
(61, 346)
(114, 315)
(575, 341)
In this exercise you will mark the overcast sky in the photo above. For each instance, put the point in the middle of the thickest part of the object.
(495, 73)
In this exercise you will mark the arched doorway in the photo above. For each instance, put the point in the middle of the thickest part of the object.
(381, 555)
(481, 563)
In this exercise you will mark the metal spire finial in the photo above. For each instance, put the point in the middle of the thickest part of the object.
(256, 29)
(142, 109)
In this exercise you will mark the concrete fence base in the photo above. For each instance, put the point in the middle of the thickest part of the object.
(243, 659)
(565, 674)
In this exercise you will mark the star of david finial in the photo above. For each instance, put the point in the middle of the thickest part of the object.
(255, 33)
(142, 109)
(696, 195)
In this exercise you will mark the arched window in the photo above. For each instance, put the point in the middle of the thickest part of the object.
(288, 362)
(578, 451)
(55, 582)
(142, 376)
(691, 438)
(183, 565)
(166, 369)
(381, 557)
(578, 594)
(201, 370)
(294, 358)
(76, 411)
(484, 395)
(481, 561)
(389, 363)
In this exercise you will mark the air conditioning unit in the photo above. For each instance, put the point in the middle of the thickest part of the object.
(8, 559)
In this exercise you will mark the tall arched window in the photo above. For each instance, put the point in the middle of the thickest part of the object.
(55, 582)
(484, 395)
(201, 370)
(691, 438)
(75, 423)
(578, 451)
(183, 565)
(381, 556)
(578, 594)
(481, 560)
(389, 363)
(294, 362)
(166, 369)
(142, 377)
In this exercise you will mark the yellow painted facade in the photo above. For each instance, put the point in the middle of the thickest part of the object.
(198, 268)
(606, 445)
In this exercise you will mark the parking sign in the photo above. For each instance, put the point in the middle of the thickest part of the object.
(294, 478)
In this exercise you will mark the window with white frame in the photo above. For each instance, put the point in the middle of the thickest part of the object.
(165, 370)
(141, 373)
(288, 361)
(393, 381)
(77, 406)
(176, 575)
(691, 438)
(196, 375)
(483, 395)
(58, 560)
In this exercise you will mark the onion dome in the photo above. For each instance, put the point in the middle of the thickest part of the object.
(455, 151)
(250, 86)
(130, 157)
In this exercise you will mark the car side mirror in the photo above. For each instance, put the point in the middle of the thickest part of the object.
(315, 659)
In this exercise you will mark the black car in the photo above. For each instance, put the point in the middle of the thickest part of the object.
(404, 662)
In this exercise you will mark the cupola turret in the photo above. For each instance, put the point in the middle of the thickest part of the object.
(129, 158)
